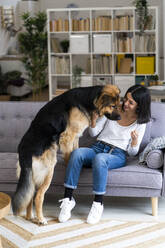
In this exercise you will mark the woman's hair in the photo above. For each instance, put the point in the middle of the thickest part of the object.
(141, 96)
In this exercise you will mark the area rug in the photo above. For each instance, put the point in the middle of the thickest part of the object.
(17, 232)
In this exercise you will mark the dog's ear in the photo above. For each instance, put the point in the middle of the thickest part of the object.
(106, 100)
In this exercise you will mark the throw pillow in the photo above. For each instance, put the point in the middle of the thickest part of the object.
(154, 159)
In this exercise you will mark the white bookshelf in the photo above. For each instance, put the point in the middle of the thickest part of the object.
(84, 28)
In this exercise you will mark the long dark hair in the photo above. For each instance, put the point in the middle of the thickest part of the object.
(141, 96)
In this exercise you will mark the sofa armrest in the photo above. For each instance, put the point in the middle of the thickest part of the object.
(163, 175)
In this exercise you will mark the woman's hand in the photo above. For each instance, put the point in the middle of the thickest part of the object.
(94, 119)
(134, 136)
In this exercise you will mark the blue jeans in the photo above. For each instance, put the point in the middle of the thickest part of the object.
(100, 158)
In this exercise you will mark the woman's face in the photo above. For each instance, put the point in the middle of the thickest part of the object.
(129, 103)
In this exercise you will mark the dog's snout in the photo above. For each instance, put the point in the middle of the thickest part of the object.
(114, 116)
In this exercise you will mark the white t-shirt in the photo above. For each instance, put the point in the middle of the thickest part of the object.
(113, 133)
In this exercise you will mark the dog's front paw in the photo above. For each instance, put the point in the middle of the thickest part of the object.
(42, 221)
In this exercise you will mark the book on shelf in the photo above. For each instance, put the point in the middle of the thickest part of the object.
(53, 26)
(102, 64)
(60, 65)
(118, 60)
(102, 23)
(59, 25)
(124, 43)
(75, 25)
(66, 25)
(125, 65)
(55, 45)
(123, 22)
(131, 23)
(145, 43)
(81, 24)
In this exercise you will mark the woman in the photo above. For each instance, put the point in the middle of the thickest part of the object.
(115, 141)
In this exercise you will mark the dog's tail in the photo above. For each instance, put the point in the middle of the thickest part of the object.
(25, 191)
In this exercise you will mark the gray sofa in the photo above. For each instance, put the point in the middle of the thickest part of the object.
(132, 180)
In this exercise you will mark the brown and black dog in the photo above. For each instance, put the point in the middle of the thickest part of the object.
(59, 123)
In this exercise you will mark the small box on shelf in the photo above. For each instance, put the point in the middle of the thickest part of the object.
(102, 43)
(145, 65)
(79, 43)
(86, 80)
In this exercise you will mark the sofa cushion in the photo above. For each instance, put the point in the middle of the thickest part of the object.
(154, 159)
(15, 118)
(8, 167)
(134, 175)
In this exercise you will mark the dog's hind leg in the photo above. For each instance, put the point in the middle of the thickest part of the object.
(25, 191)
(77, 123)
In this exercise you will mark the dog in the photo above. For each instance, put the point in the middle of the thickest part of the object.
(59, 123)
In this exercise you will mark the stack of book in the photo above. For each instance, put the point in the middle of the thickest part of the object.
(59, 25)
(102, 23)
(123, 22)
(81, 24)
(124, 43)
(102, 64)
(60, 65)
(145, 43)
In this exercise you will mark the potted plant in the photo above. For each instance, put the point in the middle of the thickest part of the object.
(65, 45)
(77, 76)
(143, 15)
(154, 80)
(33, 46)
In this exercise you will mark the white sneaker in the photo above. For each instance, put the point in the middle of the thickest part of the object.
(66, 206)
(95, 213)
